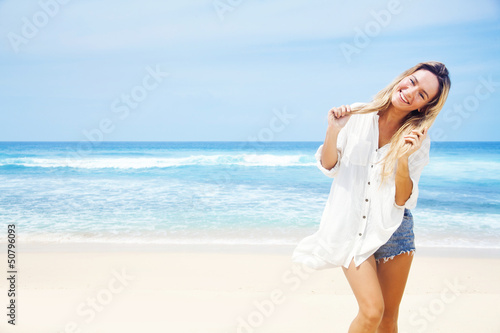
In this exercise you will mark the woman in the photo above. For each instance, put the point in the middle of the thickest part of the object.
(376, 153)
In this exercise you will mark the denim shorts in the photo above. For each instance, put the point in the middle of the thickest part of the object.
(401, 241)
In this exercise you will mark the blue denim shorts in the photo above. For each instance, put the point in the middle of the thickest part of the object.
(401, 241)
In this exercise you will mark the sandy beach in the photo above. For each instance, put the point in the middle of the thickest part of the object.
(111, 289)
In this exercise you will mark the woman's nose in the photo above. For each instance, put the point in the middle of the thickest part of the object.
(411, 91)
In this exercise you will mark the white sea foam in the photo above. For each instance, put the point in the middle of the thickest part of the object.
(163, 162)
(462, 168)
(438, 167)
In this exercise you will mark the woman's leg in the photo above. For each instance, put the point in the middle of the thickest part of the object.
(366, 287)
(392, 276)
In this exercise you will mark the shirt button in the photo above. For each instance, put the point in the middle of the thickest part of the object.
(364, 217)
(360, 234)
(368, 183)
(372, 165)
(376, 149)
(366, 200)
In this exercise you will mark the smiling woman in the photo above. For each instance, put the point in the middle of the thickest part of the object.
(376, 152)
(410, 103)
(413, 90)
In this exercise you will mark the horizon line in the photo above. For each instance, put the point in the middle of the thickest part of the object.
(193, 141)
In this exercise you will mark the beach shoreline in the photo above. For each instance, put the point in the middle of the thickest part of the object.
(465, 252)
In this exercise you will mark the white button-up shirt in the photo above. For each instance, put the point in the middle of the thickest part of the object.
(359, 216)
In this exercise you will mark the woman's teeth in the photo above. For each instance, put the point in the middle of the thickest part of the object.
(403, 98)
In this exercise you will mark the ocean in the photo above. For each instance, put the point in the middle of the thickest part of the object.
(223, 193)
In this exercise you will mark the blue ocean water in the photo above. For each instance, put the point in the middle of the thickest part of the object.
(223, 193)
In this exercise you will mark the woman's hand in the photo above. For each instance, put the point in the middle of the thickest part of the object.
(415, 140)
(338, 117)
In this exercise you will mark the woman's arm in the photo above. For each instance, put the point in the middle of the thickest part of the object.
(337, 119)
(404, 184)
(329, 154)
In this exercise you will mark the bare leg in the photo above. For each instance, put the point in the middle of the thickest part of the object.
(366, 287)
(392, 276)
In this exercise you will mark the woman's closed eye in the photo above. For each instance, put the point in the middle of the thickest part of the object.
(420, 94)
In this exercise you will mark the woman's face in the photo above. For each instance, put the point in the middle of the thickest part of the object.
(415, 91)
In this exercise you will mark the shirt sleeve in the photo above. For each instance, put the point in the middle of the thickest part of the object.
(416, 163)
(341, 142)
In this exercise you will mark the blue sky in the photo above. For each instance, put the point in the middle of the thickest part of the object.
(234, 70)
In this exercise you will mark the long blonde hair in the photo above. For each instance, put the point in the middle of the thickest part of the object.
(415, 120)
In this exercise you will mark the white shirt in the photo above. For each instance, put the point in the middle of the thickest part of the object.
(359, 217)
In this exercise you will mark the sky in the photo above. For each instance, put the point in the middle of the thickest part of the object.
(234, 70)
